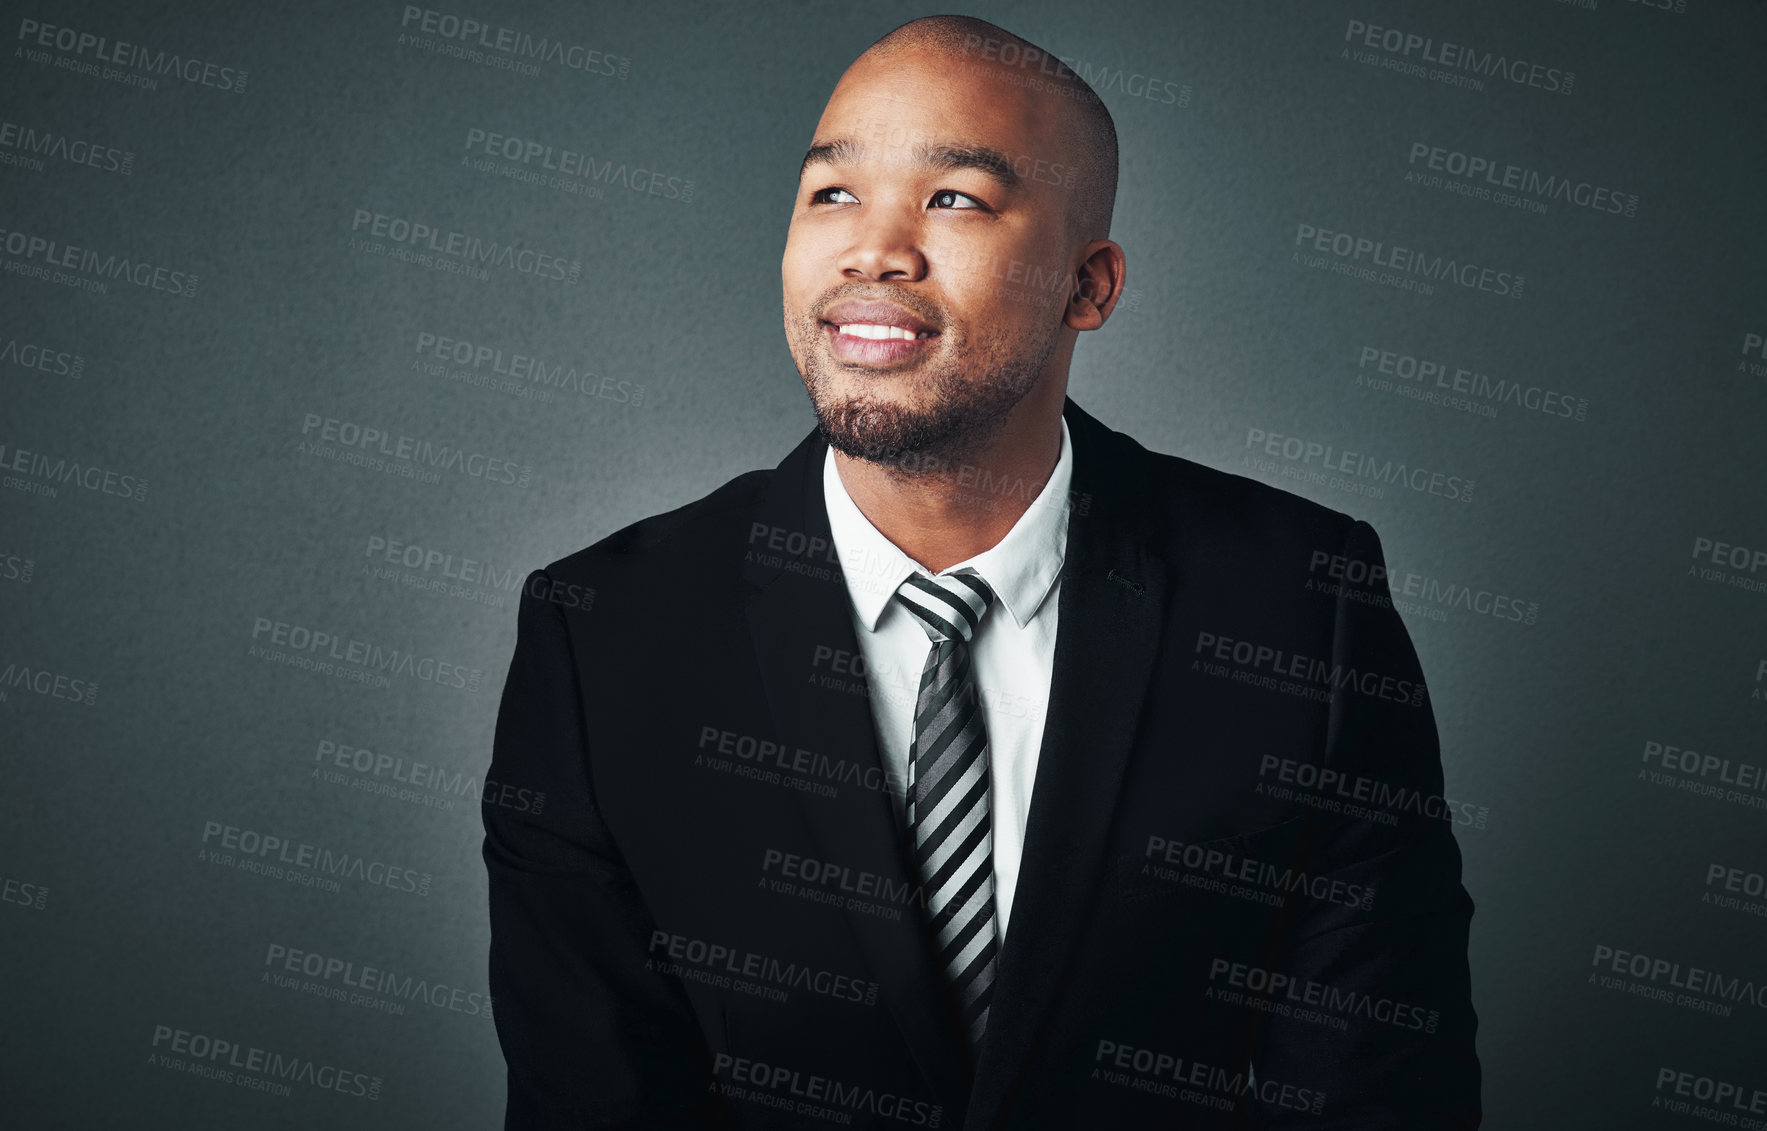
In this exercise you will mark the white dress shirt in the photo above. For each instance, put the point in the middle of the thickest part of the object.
(1011, 654)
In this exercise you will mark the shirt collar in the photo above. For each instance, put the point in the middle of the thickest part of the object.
(1021, 568)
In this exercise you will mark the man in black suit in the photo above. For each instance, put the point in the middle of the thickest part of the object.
(975, 767)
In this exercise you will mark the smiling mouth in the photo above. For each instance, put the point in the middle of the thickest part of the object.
(878, 345)
(876, 332)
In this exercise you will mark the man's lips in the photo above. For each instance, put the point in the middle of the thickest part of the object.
(876, 333)
(876, 352)
(877, 321)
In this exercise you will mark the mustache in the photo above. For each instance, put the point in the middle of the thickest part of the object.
(863, 292)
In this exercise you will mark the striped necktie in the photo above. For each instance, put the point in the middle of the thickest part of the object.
(949, 824)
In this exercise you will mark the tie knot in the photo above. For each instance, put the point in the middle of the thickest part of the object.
(949, 606)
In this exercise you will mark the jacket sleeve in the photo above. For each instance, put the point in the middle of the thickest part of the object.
(592, 1038)
(1397, 969)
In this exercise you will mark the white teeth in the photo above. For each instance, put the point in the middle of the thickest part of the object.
(879, 333)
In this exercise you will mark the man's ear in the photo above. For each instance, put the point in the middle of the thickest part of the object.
(1097, 284)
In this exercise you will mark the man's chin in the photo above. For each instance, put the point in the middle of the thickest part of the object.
(906, 443)
(917, 421)
(870, 446)
(883, 455)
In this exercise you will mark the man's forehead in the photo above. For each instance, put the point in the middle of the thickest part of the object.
(904, 126)
(922, 90)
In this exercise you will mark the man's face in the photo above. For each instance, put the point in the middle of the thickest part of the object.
(934, 211)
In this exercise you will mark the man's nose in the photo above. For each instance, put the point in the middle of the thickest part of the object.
(884, 249)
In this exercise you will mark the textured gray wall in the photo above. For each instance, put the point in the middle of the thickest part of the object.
(153, 601)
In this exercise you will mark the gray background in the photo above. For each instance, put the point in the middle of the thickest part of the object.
(114, 923)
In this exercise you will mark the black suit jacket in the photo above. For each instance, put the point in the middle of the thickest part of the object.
(1240, 899)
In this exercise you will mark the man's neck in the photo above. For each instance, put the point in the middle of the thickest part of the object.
(968, 504)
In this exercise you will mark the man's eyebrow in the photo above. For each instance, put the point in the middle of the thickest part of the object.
(845, 151)
(990, 161)
(840, 151)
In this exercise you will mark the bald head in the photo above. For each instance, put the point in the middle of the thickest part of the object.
(949, 242)
(1076, 119)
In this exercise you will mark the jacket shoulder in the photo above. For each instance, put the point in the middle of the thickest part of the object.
(674, 539)
(1213, 511)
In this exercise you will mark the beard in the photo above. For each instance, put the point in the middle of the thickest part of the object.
(923, 422)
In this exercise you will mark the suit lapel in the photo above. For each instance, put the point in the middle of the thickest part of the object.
(1112, 602)
(795, 613)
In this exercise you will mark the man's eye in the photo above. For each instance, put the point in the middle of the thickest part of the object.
(820, 196)
(949, 198)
